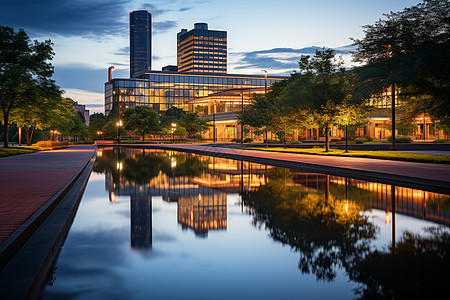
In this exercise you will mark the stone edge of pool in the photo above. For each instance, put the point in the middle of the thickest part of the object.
(30, 255)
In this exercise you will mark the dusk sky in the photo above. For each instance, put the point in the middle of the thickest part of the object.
(91, 35)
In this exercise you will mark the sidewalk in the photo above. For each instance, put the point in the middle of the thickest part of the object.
(426, 176)
(29, 181)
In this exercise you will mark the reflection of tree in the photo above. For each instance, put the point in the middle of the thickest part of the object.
(418, 268)
(144, 167)
(141, 167)
(187, 165)
(329, 233)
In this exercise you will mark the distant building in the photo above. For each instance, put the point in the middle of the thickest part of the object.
(83, 111)
(170, 68)
(140, 42)
(202, 50)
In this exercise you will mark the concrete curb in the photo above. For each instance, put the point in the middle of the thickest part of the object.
(30, 251)
(401, 180)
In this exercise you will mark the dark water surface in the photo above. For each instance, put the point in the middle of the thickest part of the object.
(164, 224)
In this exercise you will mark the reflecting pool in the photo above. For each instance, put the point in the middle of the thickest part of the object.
(166, 224)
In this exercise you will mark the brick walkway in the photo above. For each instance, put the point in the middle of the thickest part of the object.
(28, 181)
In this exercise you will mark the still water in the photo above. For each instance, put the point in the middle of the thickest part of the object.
(163, 224)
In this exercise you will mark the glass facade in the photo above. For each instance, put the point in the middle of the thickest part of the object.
(202, 50)
(140, 42)
(162, 90)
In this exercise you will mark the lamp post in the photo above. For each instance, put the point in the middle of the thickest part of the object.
(118, 124)
(242, 124)
(214, 121)
(174, 126)
(265, 80)
(388, 55)
(98, 135)
(265, 91)
(346, 135)
(51, 135)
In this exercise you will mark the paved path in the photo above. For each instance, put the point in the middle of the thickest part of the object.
(420, 175)
(28, 181)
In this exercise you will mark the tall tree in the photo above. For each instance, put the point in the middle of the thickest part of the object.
(141, 120)
(409, 49)
(194, 125)
(22, 64)
(96, 122)
(41, 107)
(319, 89)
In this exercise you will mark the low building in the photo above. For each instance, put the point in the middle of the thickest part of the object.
(162, 90)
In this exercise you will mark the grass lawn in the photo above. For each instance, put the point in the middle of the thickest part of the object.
(391, 155)
(16, 150)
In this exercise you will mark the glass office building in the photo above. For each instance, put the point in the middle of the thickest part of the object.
(140, 42)
(162, 90)
(202, 50)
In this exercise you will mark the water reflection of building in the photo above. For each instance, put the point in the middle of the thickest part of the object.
(202, 202)
(410, 202)
(141, 222)
(203, 213)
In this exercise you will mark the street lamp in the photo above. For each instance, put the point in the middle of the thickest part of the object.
(346, 135)
(174, 126)
(98, 134)
(52, 135)
(265, 80)
(118, 124)
(388, 55)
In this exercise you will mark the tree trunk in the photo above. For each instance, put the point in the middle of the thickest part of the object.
(143, 137)
(27, 133)
(20, 136)
(327, 140)
(267, 138)
(31, 134)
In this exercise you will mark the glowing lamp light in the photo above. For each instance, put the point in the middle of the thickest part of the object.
(119, 166)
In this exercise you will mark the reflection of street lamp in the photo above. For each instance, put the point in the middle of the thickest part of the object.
(118, 124)
(173, 132)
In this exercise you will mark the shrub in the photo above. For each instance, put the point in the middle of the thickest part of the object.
(236, 140)
(51, 144)
(248, 140)
(360, 140)
(368, 138)
(439, 141)
(295, 142)
(400, 139)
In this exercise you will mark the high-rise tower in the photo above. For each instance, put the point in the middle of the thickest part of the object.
(140, 42)
(202, 50)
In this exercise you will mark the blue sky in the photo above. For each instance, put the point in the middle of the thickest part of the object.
(91, 35)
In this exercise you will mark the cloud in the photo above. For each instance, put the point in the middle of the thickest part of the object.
(123, 51)
(91, 19)
(163, 26)
(155, 11)
(278, 60)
